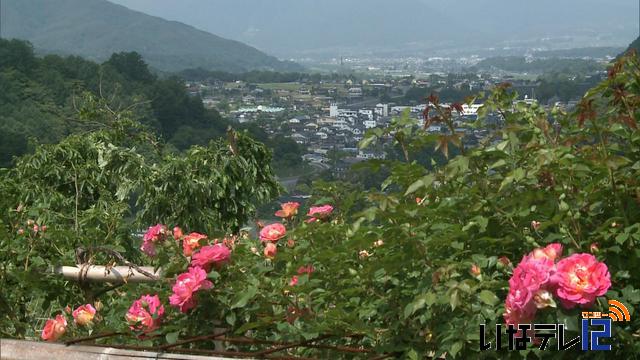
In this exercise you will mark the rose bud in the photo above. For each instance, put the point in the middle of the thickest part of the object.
(535, 225)
(177, 233)
(98, 305)
(475, 270)
(504, 261)
(270, 250)
(84, 314)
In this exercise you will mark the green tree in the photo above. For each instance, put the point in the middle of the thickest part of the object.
(131, 66)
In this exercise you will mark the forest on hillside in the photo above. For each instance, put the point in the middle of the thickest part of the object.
(42, 97)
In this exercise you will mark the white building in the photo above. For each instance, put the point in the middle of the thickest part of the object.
(382, 109)
(347, 113)
(470, 110)
(370, 124)
(366, 112)
(333, 110)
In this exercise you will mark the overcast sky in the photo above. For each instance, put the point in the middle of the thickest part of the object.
(290, 26)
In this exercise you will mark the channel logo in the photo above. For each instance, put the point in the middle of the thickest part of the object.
(595, 326)
(618, 311)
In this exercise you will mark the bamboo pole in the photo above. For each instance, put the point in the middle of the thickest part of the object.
(115, 274)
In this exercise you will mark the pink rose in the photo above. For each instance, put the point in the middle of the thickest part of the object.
(551, 252)
(529, 278)
(153, 235)
(270, 250)
(177, 233)
(191, 242)
(319, 213)
(519, 309)
(148, 248)
(212, 255)
(289, 210)
(145, 314)
(273, 232)
(531, 273)
(306, 270)
(185, 287)
(294, 280)
(83, 315)
(54, 328)
(580, 279)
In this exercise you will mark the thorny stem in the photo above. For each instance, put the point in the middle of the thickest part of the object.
(77, 198)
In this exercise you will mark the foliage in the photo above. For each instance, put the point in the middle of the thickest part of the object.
(131, 66)
(564, 87)
(75, 201)
(410, 270)
(40, 97)
(225, 181)
(258, 76)
(521, 64)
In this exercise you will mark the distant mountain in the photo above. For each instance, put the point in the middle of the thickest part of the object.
(97, 28)
(341, 27)
(295, 27)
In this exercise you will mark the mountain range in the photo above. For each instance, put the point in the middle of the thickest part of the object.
(306, 27)
(97, 28)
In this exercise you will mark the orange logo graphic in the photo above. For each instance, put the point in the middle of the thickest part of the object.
(618, 311)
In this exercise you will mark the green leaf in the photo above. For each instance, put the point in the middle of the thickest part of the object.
(243, 298)
(488, 297)
(172, 337)
(231, 318)
(498, 164)
(412, 355)
(414, 306)
(502, 145)
(454, 300)
(248, 326)
(455, 349)
(368, 140)
(414, 187)
(622, 238)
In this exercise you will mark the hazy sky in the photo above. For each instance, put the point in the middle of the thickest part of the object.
(288, 27)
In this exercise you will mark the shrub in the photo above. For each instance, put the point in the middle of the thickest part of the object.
(412, 269)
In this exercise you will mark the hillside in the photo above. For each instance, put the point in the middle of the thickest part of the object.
(635, 45)
(97, 28)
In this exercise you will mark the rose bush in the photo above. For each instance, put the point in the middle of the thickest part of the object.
(407, 270)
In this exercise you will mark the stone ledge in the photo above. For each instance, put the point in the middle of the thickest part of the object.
(37, 350)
